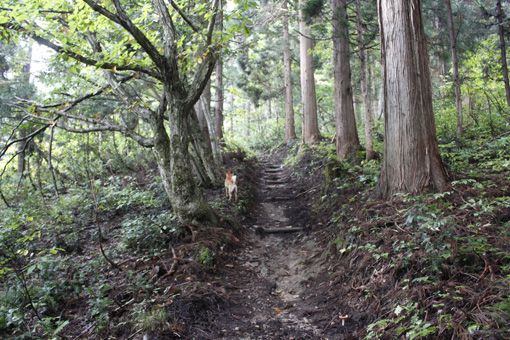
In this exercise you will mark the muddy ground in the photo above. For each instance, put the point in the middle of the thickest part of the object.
(271, 279)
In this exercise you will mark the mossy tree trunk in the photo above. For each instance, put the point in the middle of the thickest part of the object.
(174, 162)
(172, 148)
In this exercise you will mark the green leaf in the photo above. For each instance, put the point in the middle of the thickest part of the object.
(61, 327)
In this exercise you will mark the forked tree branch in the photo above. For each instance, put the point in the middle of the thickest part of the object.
(122, 19)
(168, 28)
(184, 16)
(205, 69)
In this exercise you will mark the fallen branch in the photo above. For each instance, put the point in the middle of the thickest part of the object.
(263, 230)
(307, 191)
(110, 261)
(172, 269)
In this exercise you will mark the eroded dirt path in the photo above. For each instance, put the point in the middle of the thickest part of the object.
(268, 278)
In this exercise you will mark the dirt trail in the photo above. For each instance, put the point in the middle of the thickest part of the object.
(269, 276)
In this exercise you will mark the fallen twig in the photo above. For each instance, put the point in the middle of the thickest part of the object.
(172, 267)
(307, 191)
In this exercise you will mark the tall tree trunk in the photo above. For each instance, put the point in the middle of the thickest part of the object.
(455, 64)
(502, 46)
(200, 108)
(347, 142)
(290, 129)
(270, 109)
(219, 83)
(311, 132)
(203, 114)
(201, 142)
(203, 110)
(365, 90)
(367, 105)
(372, 86)
(411, 155)
(198, 169)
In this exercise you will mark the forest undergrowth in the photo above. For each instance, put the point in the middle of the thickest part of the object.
(109, 260)
(416, 266)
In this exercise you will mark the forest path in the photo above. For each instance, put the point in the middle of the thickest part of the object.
(270, 275)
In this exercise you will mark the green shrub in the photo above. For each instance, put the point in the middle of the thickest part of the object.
(205, 257)
(152, 232)
(113, 196)
(99, 305)
(150, 321)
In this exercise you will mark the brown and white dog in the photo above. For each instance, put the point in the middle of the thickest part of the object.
(231, 185)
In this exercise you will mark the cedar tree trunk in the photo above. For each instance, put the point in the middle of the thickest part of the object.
(347, 142)
(290, 129)
(411, 161)
(311, 134)
(369, 121)
(455, 64)
(502, 46)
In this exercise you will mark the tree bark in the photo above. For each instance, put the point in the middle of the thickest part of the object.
(502, 46)
(219, 84)
(411, 160)
(201, 142)
(173, 159)
(369, 121)
(199, 169)
(206, 96)
(311, 134)
(347, 141)
(455, 64)
(21, 155)
(200, 108)
(203, 111)
(290, 129)
(380, 102)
